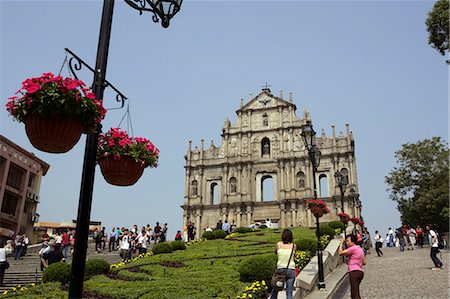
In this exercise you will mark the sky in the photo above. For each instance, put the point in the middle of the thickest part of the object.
(366, 63)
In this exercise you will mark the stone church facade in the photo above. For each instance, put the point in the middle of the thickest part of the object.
(264, 149)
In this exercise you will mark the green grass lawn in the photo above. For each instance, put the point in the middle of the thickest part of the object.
(204, 270)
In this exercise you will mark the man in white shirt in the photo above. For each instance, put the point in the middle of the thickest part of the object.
(4, 251)
(433, 240)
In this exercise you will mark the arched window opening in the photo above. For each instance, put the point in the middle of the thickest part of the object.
(265, 146)
(301, 179)
(194, 191)
(233, 185)
(267, 188)
(344, 172)
(265, 120)
(323, 183)
(214, 194)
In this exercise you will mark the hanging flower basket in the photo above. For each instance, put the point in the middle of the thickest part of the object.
(318, 207)
(121, 172)
(53, 135)
(122, 159)
(56, 111)
(357, 220)
(345, 218)
(317, 211)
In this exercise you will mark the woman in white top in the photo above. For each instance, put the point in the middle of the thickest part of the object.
(125, 246)
(142, 242)
(285, 251)
(4, 251)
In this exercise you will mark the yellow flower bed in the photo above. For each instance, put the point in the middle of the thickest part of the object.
(257, 290)
(121, 264)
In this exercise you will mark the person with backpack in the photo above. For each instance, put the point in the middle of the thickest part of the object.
(378, 243)
(434, 243)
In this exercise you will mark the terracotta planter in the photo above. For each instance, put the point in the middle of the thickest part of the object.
(53, 135)
(123, 172)
(317, 211)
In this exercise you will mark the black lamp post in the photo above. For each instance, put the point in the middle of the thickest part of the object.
(314, 153)
(341, 181)
(164, 9)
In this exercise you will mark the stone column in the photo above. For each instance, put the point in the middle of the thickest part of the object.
(282, 186)
(239, 180)
(309, 217)
(238, 216)
(200, 192)
(294, 213)
(288, 216)
(225, 188)
(293, 175)
(249, 215)
(282, 216)
(198, 224)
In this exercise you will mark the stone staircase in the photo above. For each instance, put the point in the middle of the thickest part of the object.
(13, 279)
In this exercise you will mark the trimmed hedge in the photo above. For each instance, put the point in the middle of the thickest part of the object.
(325, 229)
(208, 235)
(96, 267)
(258, 268)
(57, 272)
(219, 234)
(178, 245)
(162, 248)
(243, 230)
(307, 245)
(336, 224)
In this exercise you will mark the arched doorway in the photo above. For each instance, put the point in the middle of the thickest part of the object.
(267, 188)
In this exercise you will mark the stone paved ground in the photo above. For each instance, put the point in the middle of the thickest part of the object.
(404, 274)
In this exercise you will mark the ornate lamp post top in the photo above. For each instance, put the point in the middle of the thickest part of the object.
(309, 139)
(164, 9)
(341, 181)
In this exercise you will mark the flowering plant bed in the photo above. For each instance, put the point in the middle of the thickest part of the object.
(318, 207)
(345, 218)
(55, 110)
(123, 158)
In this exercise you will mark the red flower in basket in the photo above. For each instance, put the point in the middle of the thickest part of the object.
(123, 158)
(345, 218)
(356, 220)
(56, 111)
(318, 207)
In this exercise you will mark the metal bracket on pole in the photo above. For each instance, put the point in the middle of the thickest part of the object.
(75, 63)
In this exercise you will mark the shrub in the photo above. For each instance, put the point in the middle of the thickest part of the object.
(178, 245)
(219, 234)
(259, 267)
(325, 229)
(162, 248)
(307, 245)
(242, 230)
(96, 267)
(57, 272)
(208, 235)
(336, 224)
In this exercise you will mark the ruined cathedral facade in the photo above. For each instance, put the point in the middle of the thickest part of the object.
(264, 149)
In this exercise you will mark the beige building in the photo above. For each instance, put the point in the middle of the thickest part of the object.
(263, 150)
(20, 181)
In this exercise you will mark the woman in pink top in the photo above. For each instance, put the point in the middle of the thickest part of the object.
(356, 260)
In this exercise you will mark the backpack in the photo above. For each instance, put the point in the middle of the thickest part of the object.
(440, 241)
